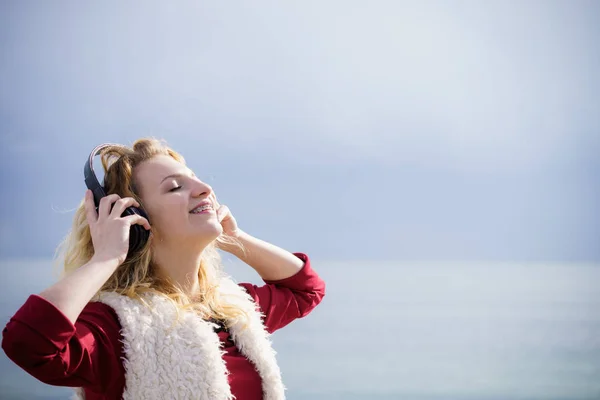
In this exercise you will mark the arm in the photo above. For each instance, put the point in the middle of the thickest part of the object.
(40, 339)
(272, 263)
(110, 238)
(71, 294)
(54, 341)
(282, 301)
(49, 336)
(292, 287)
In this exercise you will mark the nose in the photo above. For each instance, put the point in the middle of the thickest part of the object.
(201, 189)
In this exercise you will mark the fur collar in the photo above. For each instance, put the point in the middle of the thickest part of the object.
(164, 360)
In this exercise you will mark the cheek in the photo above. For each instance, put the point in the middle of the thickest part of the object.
(169, 217)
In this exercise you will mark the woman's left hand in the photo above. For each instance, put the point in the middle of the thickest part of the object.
(228, 222)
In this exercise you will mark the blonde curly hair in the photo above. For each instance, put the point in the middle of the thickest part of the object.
(138, 274)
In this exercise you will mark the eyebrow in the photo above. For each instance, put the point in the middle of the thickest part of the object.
(177, 175)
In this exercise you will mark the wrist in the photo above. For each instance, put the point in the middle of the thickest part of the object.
(239, 235)
(107, 262)
(232, 243)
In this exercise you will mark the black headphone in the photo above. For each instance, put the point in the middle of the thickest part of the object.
(138, 235)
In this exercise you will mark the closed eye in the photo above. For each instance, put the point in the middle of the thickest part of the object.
(175, 189)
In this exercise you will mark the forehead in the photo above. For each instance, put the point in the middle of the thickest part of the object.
(151, 172)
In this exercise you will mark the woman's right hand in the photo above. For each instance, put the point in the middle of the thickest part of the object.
(110, 231)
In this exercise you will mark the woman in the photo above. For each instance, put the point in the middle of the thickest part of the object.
(165, 322)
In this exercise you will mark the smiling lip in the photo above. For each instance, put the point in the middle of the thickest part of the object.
(202, 204)
(201, 212)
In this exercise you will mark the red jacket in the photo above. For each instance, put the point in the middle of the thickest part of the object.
(41, 339)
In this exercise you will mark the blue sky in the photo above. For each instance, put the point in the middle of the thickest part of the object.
(345, 129)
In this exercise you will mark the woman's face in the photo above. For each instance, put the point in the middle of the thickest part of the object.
(170, 191)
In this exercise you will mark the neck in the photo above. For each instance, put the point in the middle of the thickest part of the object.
(180, 265)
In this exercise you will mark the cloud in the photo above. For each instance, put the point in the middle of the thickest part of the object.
(482, 88)
(474, 118)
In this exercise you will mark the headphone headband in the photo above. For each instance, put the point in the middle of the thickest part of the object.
(91, 181)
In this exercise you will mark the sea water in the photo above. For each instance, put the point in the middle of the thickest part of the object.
(411, 330)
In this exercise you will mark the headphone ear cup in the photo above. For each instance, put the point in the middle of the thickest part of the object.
(98, 193)
(138, 235)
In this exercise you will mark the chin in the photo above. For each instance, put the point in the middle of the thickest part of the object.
(211, 231)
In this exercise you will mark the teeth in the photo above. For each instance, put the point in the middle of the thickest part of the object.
(200, 209)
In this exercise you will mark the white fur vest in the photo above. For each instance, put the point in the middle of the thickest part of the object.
(164, 360)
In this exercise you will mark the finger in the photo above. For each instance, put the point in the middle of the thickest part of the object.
(222, 212)
(90, 208)
(137, 220)
(106, 204)
(121, 205)
(215, 203)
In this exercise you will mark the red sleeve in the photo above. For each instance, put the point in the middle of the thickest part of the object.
(42, 340)
(285, 300)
